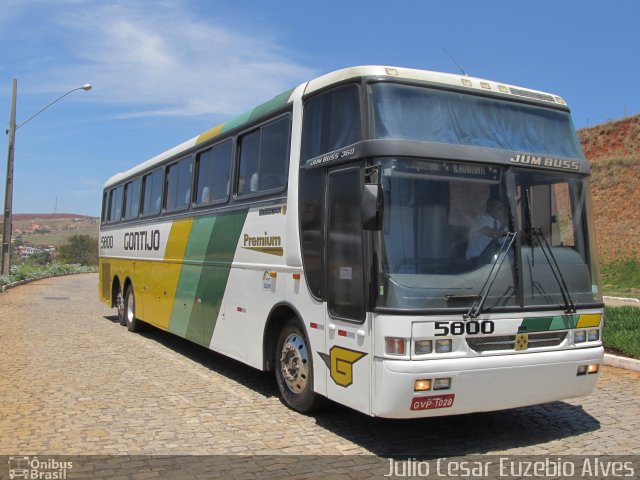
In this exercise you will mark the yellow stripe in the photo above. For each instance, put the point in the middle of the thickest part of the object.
(212, 132)
(161, 278)
(589, 320)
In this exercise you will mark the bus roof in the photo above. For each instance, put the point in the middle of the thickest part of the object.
(479, 85)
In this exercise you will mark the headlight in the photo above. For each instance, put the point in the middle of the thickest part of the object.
(593, 335)
(443, 346)
(442, 384)
(423, 347)
(580, 336)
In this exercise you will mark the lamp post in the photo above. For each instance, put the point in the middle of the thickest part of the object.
(8, 193)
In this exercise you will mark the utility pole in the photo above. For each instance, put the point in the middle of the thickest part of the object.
(8, 192)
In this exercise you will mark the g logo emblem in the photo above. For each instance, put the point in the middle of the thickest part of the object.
(522, 341)
(340, 363)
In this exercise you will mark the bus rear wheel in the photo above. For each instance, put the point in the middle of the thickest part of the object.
(133, 324)
(294, 369)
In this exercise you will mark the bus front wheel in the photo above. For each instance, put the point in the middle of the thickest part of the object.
(133, 324)
(294, 369)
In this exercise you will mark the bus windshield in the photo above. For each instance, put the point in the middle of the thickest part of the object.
(418, 113)
(445, 222)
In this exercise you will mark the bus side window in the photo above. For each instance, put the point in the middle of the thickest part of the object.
(331, 121)
(264, 155)
(274, 153)
(132, 199)
(179, 176)
(213, 170)
(115, 208)
(249, 153)
(152, 192)
(105, 207)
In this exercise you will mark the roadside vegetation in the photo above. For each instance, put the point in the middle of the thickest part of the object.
(621, 333)
(78, 255)
(34, 272)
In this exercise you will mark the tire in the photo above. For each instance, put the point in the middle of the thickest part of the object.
(294, 369)
(133, 324)
(119, 303)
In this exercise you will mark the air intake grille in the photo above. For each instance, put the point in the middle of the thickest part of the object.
(508, 342)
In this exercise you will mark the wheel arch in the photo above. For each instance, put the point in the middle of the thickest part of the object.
(116, 285)
(279, 315)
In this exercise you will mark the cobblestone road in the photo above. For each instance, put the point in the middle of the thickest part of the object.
(73, 381)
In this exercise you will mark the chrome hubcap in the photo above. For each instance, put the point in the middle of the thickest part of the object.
(294, 363)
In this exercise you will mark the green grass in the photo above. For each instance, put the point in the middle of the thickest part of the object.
(622, 330)
(621, 278)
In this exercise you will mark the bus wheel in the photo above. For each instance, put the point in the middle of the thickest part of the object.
(133, 324)
(120, 307)
(294, 369)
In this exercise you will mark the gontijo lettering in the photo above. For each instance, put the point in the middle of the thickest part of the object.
(143, 240)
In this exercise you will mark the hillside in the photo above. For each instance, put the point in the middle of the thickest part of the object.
(44, 229)
(613, 150)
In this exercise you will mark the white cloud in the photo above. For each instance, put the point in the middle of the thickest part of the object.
(167, 59)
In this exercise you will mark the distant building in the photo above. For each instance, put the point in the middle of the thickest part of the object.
(25, 252)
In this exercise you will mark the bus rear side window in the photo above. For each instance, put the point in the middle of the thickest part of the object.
(152, 187)
(115, 204)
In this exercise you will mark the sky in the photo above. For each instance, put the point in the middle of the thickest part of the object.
(164, 71)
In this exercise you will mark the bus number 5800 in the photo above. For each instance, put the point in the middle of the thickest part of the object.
(460, 328)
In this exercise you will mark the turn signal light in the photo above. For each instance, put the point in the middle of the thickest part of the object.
(422, 385)
(588, 369)
(395, 345)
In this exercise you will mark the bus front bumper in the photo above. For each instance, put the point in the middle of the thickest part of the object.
(481, 384)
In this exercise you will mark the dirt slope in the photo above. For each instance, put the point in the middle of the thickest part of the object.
(613, 150)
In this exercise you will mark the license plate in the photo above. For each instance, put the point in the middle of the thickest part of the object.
(434, 401)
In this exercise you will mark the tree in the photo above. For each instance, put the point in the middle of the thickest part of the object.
(82, 249)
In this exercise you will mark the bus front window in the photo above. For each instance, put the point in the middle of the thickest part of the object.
(449, 231)
(444, 223)
(552, 210)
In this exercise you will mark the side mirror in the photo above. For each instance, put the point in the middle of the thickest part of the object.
(372, 206)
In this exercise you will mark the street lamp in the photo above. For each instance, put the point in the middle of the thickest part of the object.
(8, 193)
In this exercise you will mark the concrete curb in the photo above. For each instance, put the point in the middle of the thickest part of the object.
(621, 362)
(622, 299)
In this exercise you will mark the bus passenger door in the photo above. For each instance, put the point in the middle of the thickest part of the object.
(349, 344)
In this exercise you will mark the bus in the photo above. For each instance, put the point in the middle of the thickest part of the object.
(403, 242)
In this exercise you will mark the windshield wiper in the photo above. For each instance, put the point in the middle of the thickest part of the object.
(569, 306)
(476, 307)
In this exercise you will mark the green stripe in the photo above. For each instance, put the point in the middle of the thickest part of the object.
(213, 282)
(204, 275)
(190, 275)
(544, 324)
(272, 105)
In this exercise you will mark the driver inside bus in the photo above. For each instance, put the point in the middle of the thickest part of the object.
(485, 228)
